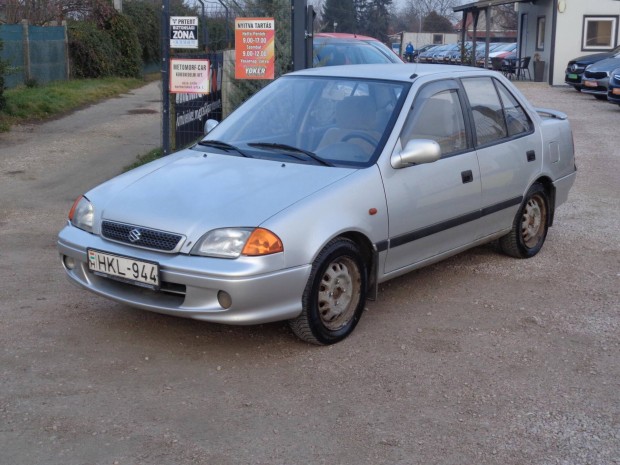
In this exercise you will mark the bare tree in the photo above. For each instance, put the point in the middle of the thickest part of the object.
(424, 7)
(40, 12)
(506, 17)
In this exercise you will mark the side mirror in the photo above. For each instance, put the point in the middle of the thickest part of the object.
(416, 152)
(210, 125)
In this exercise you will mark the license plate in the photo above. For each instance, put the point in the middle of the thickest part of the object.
(138, 272)
(573, 76)
(615, 91)
(590, 83)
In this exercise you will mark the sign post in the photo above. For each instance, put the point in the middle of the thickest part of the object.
(165, 76)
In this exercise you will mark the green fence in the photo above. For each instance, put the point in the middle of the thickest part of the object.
(34, 52)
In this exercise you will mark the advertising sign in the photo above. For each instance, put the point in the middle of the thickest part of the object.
(254, 48)
(184, 32)
(189, 76)
(191, 111)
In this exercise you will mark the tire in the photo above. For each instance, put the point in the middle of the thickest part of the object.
(600, 97)
(530, 226)
(335, 295)
(578, 89)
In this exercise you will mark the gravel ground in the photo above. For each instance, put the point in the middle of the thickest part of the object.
(480, 359)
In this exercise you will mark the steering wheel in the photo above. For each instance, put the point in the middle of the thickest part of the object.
(360, 135)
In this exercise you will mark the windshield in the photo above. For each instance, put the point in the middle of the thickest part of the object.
(343, 122)
(389, 54)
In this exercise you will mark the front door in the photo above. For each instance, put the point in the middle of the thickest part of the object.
(433, 207)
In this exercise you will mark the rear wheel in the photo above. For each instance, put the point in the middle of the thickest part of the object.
(530, 226)
(335, 295)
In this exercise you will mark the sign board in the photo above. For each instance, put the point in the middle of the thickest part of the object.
(189, 76)
(184, 32)
(191, 111)
(254, 48)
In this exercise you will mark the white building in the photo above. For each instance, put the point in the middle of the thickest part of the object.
(556, 31)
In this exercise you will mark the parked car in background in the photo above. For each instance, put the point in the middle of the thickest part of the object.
(613, 92)
(481, 51)
(350, 49)
(502, 51)
(595, 78)
(422, 49)
(427, 55)
(438, 53)
(576, 67)
(321, 186)
(444, 54)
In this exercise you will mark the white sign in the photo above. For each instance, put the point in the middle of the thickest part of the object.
(184, 32)
(189, 76)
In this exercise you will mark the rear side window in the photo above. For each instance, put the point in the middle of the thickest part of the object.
(517, 120)
(487, 110)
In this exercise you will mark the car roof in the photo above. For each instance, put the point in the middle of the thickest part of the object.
(391, 71)
(342, 35)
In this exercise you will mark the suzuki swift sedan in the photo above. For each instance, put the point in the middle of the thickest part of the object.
(321, 186)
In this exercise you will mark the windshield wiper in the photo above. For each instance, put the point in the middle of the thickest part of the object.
(218, 144)
(290, 148)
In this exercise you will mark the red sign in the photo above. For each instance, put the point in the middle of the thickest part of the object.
(254, 48)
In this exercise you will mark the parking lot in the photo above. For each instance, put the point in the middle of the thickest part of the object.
(480, 359)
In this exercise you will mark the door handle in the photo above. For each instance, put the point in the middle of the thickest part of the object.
(531, 155)
(467, 176)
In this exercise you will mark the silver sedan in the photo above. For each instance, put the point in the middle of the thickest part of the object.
(321, 186)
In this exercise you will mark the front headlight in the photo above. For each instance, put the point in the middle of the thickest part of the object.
(233, 242)
(82, 214)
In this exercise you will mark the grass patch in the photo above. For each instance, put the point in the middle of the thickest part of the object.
(146, 158)
(38, 103)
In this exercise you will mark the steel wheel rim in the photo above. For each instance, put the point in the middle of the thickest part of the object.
(339, 293)
(533, 221)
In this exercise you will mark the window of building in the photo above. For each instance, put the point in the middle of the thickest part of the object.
(540, 33)
(599, 32)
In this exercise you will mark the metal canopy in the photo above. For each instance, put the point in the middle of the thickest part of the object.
(483, 4)
(475, 8)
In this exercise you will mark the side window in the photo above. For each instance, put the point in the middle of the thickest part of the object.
(517, 120)
(439, 117)
(486, 110)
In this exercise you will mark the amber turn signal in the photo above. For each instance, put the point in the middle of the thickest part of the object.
(262, 242)
(75, 204)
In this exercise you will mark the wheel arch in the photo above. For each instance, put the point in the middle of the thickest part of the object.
(547, 183)
(370, 257)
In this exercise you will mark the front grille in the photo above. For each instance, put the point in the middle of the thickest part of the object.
(146, 237)
(577, 70)
(595, 75)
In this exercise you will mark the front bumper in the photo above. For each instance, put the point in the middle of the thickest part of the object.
(190, 284)
(573, 79)
(596, 86)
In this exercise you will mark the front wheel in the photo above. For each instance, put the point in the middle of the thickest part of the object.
(530, 226)
(335, 295)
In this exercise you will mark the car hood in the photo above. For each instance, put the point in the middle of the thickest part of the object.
(608, 64)
(589, 59)
(197, 192)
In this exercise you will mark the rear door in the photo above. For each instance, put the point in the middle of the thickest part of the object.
(509, 150)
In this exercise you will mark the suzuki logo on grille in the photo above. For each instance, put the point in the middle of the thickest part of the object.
(135, 235)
